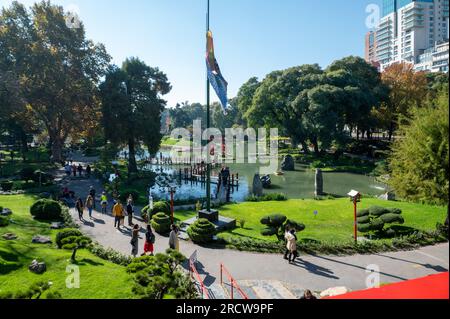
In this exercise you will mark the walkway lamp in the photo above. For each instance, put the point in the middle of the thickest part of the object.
(355, 197)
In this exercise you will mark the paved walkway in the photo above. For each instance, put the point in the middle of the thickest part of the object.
(310, 272)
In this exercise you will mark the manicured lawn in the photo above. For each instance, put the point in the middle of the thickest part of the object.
(98, 278)
(334, 222)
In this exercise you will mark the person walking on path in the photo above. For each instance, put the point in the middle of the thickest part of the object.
(286, 236)
(291, 245)
(135, 240)
(130, 211)
(90, 205)
(88, 171)
(80, 170)
(67, 169)
(149, 241)
(74, 170)
(104, 202)
(117, 214)
(174, 243)
(92, 193)
(80, 208)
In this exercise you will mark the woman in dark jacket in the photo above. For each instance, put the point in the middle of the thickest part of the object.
(80, 208)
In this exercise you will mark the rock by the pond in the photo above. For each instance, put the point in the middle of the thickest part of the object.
(5, 212)
(37, 267)
(318, 183)
(266, 181)
(288, 163)
(57, 225)
(9, 236)
(257, 188)
(388, 196)
(41, 240)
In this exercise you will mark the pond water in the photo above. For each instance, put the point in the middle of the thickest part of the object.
(297, 184)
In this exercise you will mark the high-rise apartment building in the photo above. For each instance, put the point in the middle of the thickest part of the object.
(408, 28)
(371, 47)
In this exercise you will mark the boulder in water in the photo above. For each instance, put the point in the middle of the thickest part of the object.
(257, 188)
(288, 163)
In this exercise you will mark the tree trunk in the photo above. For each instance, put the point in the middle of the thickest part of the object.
(132, 165)
(56, 147)
(74, 252)
(305, 147)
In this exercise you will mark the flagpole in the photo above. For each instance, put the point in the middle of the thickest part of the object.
(208, 124)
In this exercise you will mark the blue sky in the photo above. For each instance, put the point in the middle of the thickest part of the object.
(252, 37)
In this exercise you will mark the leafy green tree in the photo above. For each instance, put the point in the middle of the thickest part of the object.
(57, 68)
(245, 96)
(159, 276)
(132, 106)
(419, 161)
(364, 91)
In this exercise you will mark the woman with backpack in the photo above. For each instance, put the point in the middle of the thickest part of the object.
(149, 241)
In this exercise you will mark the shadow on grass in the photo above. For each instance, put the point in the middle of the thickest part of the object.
(8, 262)
(87, 261)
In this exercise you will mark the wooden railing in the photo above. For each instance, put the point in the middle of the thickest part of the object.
(234, 285)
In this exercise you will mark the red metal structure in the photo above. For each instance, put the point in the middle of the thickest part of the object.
(195, 275)
(234, 285)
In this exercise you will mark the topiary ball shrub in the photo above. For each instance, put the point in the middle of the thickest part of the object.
(161, 223)
(158, 207)
(295, 225)
(66, 233)
(202, 231)
(4, 221)
(6, 185)
(46, 209)
(123, 196)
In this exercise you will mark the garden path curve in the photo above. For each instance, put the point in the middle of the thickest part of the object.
(316, 273)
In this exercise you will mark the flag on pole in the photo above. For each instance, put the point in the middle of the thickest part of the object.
(214, 75)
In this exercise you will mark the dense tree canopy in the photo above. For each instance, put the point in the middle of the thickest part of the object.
(420, 159)
(132, 106)
(315, 106)
(57, 69)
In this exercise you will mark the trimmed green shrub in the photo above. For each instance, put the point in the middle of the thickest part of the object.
(6, 185)
(72, 239)
(158, 207)
(46, 209)
(202, 231)
(41, 176)
(377, 224)
(161, 223)
(295, 225)
(123, 196)
(362, 213)
(378, 211)
(391, 218)
(66, 233)
(364, 228)
(276, 224)
(363, 219)
(4, 221)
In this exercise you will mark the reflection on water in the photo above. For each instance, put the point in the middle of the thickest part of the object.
(297, 184)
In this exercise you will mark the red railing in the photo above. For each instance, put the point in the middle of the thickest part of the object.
(233, 283)
(196, 276)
